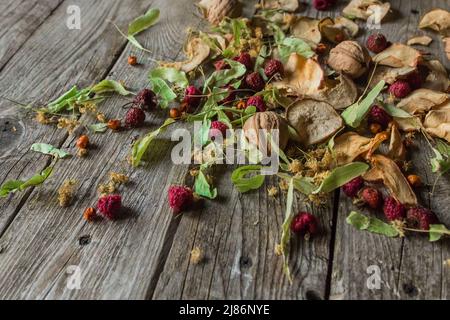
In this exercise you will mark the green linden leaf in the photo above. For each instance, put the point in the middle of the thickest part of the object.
(143, 22)
(63, 101)
(244, 184)
(203, 188)
(354, 115)
(110, 86)
(396, 112)
(304, 185)
(163, 91)
(171, 75)
(13, 186)
(437, 231)
(290, 45)
(221, 78)
(98, 127)
(373, 225)
(160, 78)
(49, 150)
(141, 146)
(340, 176)
(441, 162)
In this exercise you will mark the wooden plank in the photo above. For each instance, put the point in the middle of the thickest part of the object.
(18, 21)
(237, 235)
(410, 267)
(46, 66)
(121, 258)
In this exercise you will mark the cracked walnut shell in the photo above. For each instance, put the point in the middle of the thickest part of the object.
(350, 58)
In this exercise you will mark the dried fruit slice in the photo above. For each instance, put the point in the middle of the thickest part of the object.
(363, 9)
(315, 121)
(197, 51)
(306, 28)
(349, 146)
(386, 170)
(398, 55)
(422, 100)
(437, 78)
(397, 150)
(422, 40)
(339, 93)
(438, 20)
(389, 74)
(437, 123)
(285, 5)
(216, 10)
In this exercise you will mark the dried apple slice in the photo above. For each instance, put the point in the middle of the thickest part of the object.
(349, 146)
(306, 28)
(339, 93)
(422, 100)
(438, 20)
(397, 150)
(398, 55)
(315, 121)
(197, 51)
(364, 9)
(422, 40)
(285, 5)
(437, 78)
(387, 171)
(389, 74)
(437, 123)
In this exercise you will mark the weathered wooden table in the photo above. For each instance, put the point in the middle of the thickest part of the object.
(147, 255)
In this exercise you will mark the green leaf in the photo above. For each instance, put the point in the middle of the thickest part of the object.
(441, 162)
(143, 22)
(98, 127)
(110, 86)
(245, 184)
(203, 135)
(49, 150)
(221, 78)
(63, 101)
(171, 75)
(163, 91)
(355, 114)
(290, 45)
(373, 225)
(304, 185)
(141, 146)
(340, 176)
(13, 186)
(203, 188)
(437, 231)
(160, 78)
(286, 229)
(396, 112)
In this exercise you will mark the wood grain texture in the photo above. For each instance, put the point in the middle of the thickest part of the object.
(18, 21)
(411, 268)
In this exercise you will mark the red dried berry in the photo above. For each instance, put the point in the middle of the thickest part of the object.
(245, 59)
(415, 80)
(231, 96)
(322, 5)
(135, 117)
(218, 128)
(421, 218)
(304, 223)
(377, 43)
(255, 82)
(273, 67)
(352, 188)
(221, 65)
(372, 197)
(110, 206)
(400, 89)
(180, 198)
(379, 116)
(146, 99)
(394, 210)
(258, 102)
(193, 97)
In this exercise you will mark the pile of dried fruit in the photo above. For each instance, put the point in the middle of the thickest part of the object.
(346, 118)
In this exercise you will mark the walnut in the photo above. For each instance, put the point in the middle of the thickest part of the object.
(269, 121)
(350, 58)
(215, 10)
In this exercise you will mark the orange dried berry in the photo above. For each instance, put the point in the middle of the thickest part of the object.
(241, 105)
(414, 180)
(375, 128)
(90, 214)
(321, 48)
(174, 113)
(114, 124)
(132, 60)
(83, 142)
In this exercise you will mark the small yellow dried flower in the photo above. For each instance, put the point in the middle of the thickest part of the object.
(101, 117)
(118, 178)
(295, 166)
(272, 192)
(284, 186)
(65, 193)
(196, 256)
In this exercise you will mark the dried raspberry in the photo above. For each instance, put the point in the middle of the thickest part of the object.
(255, 82)
(146, 99)
(245, 59)
(304, 223)
(273, 67)
(415, 80)
(377, 43)
(372, 197)
(352, 188)
(135, 117)
(180, 198)
(400, 89)
(322, 5)
(421, 218)
(221, 65)
(258, 102)
(110, 206)
(218, 128)
(394, 210)
(231, 96)
(379, 116)
(192, 97)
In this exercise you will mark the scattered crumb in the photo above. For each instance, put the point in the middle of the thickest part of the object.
(81, 153)
(65, 193)
(196, 256)
(447, 263)
(256, 223)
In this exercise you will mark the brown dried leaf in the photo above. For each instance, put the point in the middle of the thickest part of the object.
(364, 9)
(438, 20)
(422, 40)
(437, 78)
(339, 93)
(307, 28)
(215, 10)
(285, 5)
(302, 76)
(437, 123)
(398, 55)
(422, 100)
(386, 170)
(315, 121)
(397, 149)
